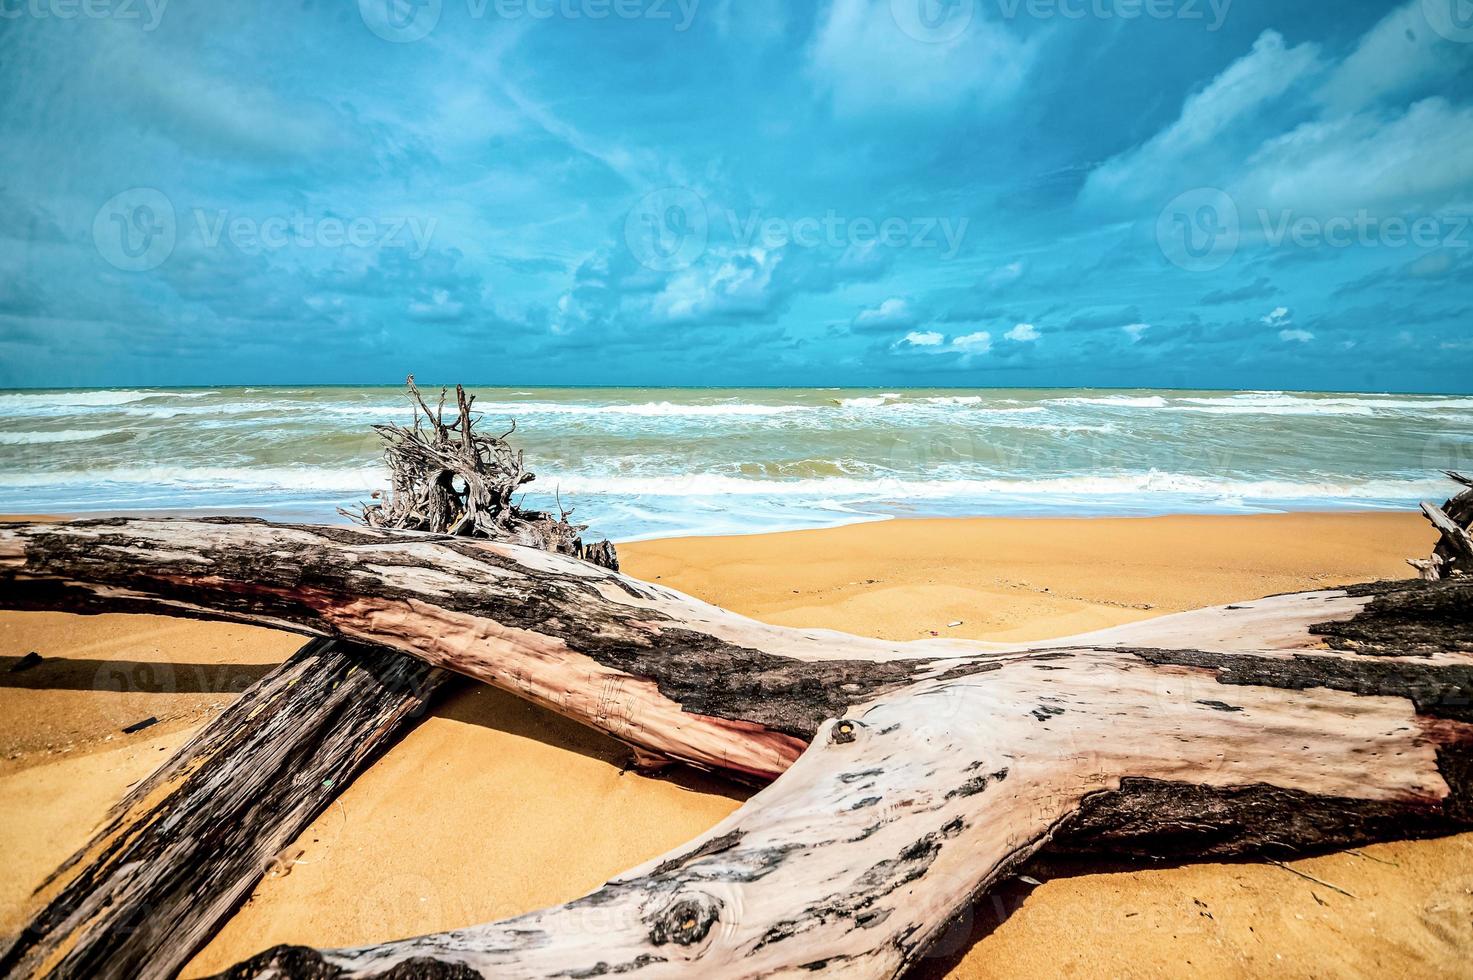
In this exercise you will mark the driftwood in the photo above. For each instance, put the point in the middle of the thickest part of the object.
(912, 776)
(187, 844)
(448, 478)
(1453, 554)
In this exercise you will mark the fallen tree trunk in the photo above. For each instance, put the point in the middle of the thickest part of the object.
(187, 844)
(1226, 731)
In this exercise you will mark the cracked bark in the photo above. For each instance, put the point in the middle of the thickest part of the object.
(176, 856)
(934, 768)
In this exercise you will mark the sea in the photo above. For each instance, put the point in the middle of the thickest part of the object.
(655, 462)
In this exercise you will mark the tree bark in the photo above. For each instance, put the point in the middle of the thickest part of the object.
(187, 844)
(1271, 727)
(1453, 554)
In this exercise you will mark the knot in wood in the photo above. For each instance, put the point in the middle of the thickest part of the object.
(845, 732)
(686, 922)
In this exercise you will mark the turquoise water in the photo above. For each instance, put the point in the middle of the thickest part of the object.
(654, 462)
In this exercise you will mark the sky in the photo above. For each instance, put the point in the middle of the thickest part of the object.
(1107, 193)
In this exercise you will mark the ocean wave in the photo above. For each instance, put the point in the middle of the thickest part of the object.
(362, 479)
(1278, 403)
(365, 479)
(32, 402)
(1381, 401)
(98, 404)
(1114, 401)
(1361, 411)
(870, 401)
(56, 435)
(892, 488)
(645, 410)
(893, 400)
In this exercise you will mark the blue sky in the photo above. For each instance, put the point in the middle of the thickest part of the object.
(1182, 193)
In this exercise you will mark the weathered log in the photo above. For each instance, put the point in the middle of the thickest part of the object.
(1226, 731)
(672, 675)
(187, 844)
(1454, 536)
(1453, 554)
(136, 901)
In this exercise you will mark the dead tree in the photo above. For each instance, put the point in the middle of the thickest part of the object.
(445, 477)
(175, 857)
(911, 777)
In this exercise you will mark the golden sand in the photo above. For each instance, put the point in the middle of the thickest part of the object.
(491, 807)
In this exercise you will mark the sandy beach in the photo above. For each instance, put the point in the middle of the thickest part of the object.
(491, 807)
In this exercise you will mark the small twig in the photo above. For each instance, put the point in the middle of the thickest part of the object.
(1359, 853)
(557, 493)
(1309, 877)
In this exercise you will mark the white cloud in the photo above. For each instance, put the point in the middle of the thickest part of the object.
(1398, 54)
(439, 306)
(1345, 151)
(1023, 333)
(1296, 336)
(974, 343)
(739, 281)
(893, 312)
(865, 62)
(1006, 275)
(1136, 330)
(1423, 156)
(1279, 316)
(1238, 94)
(928, 338)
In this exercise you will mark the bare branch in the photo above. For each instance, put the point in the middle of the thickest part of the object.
(451, 479)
